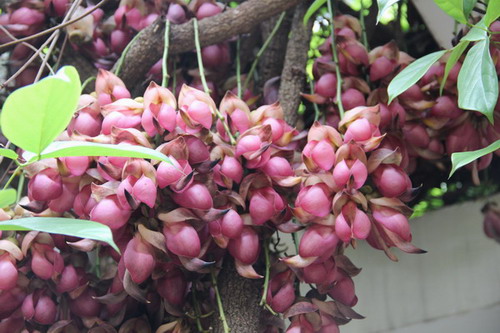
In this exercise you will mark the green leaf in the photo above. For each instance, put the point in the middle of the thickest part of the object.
(313, 8)
(33, 116)
(468, 5)
(454, 8)
(9, 153)
(383, 7)
(411, 74)
(7, 197)
(478, 81)
(459, 160)
(63, 226)
(82, 148)
(456, 53)
(492, 12)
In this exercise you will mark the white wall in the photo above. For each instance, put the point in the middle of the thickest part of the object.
(455, 287)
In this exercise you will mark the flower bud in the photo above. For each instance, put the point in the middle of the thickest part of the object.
(265, 203)
(39, 308)
(195, 196)
(381, 68)
(232, 169)
(231, 224)
(69, 280)
(352, 172)
(45, 261)
(8, 272)
(245, 248)
(281, 291)
(176, 14)
(352, 223)
(326, 85)
(391, 180)
(85, 305)
(45, 185)
(207, 9)
(139, 259)
(317, 241)
(182, 239)
(315, 200)
(173, 287)
(392, 220)
(343, 291)
(108, 211)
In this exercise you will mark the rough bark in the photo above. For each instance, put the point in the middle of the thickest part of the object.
(240, 298)
(293, 77)
(148, 47)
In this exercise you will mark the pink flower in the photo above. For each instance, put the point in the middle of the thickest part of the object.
(281, 292)
(139, 259)
(265, 203)
(318, 154)
(392, 220)
(182, 239)
(318, 240)
(246, 247)
(350, 173)
(45, 185)
(391, 180)
(315, 200)
(195, 196)
(108, 211)
(40, 308)
(352, 223)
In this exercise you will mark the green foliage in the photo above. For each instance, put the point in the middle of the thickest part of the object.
(7, 197)
(383, 7)
(456, 53)
(459, 160)
(468, 5)
(63, 226)
(411, 74)
(454, 8)
(313, 8)
(9, 153)
(33, 116)
(79, 148)
(492, 12)
(477, 81)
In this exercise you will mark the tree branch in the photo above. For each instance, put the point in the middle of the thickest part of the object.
(294, 73)
(148, 47)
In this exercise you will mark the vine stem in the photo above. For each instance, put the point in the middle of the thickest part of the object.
(263, 300)
(197, 310)
(219, 115)
(219, 302)
(12, 177)
(336, 60)
(317, 112)
(262, 50)
(124, 53)
(364, 38)
(238, 67)
(86, 82)
(164, 81)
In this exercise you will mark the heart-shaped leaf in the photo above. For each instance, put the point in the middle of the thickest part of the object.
(82, 148)
(63, 226)
(459, 160)
(478, 81)
(7, 197)
(411, 74)
(383, 7)
(33, 116)
(8, 153)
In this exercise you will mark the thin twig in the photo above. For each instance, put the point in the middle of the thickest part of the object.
(28, 45)
(57, 27)
(12, 177)
(336, 60)
(262, 50)
(317, 112)
(364, 38)
(164, 69)
(263, 300)
(86, 82)
(27, 63)
(219, 302)
(197, 311)
(61, 51)
(20, 186)
(47, 55)
(238, 67)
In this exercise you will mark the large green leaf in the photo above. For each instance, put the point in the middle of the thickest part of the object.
(492, 12)
(456, 53)
(411, 74)
(313, 8)
(459, 160)
(63, 226)
(82, 148)
(33, 116)
(383, 7)
(478, 81)
(454, 8)
(7, 197)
